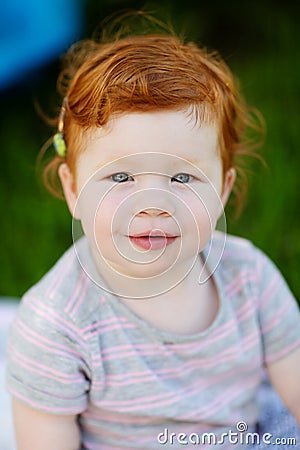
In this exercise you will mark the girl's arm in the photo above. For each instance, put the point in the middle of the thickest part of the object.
(38, 430)
(285, 377)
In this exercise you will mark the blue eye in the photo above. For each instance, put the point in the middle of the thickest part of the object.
(182, 178)
(121, 177)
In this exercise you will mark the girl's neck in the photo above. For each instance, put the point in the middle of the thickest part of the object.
(188, 308)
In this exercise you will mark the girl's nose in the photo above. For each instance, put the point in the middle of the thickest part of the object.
(154, 212)
(154, 203)
(153, 198)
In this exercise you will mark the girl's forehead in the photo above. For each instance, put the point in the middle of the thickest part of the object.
(151, 162)
(160, 135)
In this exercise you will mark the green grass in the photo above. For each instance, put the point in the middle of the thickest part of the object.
(271, 216)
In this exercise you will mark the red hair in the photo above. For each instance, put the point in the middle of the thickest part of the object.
(146, 73)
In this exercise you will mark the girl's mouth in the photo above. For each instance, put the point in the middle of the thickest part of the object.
(152, 240)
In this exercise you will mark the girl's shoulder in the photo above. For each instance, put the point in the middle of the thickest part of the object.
(67, 288)
(226, 251)
(232, 255)
(232, 243)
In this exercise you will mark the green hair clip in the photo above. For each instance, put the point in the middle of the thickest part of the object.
(60, 145)
(58, 139)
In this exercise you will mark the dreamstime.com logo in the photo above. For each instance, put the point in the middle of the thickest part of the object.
(240, 436)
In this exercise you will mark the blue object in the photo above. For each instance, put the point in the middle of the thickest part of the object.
(33, 33)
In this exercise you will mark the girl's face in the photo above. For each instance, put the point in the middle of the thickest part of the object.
(149, 191)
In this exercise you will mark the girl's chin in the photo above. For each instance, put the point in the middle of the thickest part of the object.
(155, 272)
(146, 265)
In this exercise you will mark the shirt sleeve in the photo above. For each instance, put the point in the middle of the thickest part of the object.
(279, 314)
(48, 360)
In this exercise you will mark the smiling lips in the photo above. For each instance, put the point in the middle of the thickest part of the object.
(152, 240)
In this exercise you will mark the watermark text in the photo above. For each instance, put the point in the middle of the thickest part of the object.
(239, 436)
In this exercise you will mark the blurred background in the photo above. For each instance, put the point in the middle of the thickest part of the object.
(260, 42)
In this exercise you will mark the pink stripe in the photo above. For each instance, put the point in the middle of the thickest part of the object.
(182, 370)
(52, 317)
(122, 351)
(188, 348)
(185, 368)
(117, 326)
(260, 261)
(277, 319)
(218, 334)
(167, 398)
(205, 362)
(98, 325)
(136, 349)
(43, 370)
(270, 290)
(225, 399)
(221, 332)
(283, 352)
(150, 377)
(239, 282)
(86, 284)
(55, 410)
(104, 415)
(56, 282)
(75, 292)
(139, 351)
(232, 394)
(37, 340)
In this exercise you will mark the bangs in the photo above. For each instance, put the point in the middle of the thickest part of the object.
(143, 74)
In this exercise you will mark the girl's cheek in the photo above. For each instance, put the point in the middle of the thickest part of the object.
(109, 208)
(204, 209)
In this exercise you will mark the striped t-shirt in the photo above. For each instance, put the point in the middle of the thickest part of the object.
(75, 349)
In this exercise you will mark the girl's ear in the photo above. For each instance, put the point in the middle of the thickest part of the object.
(68, 185)
(229, 180)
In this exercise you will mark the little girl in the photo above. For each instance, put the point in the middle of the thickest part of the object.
(153, 329)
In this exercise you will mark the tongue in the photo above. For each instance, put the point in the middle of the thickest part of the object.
(150, 242)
